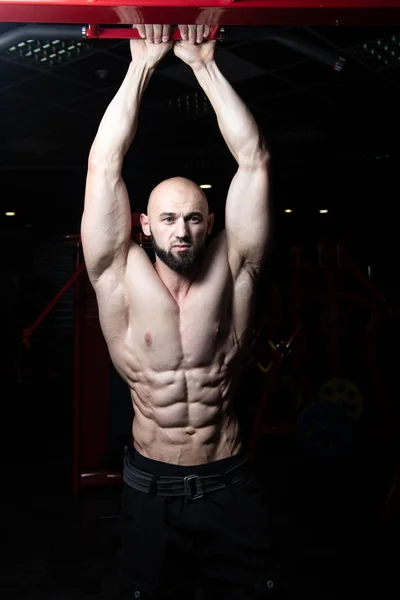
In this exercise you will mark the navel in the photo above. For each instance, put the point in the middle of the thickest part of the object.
(147, 338)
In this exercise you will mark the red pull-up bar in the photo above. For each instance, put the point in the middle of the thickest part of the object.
(94, 31)
(203, 12)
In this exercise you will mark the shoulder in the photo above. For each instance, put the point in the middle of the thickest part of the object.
(113, 279)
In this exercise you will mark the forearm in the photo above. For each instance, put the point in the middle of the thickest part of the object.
(237, 124)
(119, 123)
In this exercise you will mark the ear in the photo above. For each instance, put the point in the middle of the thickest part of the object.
(144, 221)
(210, 224)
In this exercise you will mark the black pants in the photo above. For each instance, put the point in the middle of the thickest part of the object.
(221, 540)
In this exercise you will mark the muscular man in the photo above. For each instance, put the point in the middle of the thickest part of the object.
(177, 332)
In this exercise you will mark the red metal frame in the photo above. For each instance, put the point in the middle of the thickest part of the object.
(211, 12)
(76, 412)
(94, 31)
(82, 403)
(29, 331)
(85, 401)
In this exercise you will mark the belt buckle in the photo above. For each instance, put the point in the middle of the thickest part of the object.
(191, 488)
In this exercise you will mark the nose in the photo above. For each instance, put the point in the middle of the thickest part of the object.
(181, 230)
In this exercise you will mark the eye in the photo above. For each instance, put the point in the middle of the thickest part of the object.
(168, 219)
(195, 219)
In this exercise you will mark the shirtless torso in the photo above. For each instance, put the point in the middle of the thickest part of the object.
(180, 357)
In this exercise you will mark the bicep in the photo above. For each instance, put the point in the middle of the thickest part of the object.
(247, 218)
(106, 220)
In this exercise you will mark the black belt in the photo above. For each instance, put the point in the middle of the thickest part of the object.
(191, 486)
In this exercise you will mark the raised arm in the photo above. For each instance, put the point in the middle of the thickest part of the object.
(247, 218)
(106, 220)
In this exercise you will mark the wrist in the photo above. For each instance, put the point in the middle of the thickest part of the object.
(141, 65)
(204, 67)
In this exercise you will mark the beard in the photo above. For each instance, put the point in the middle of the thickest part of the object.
(183, 262)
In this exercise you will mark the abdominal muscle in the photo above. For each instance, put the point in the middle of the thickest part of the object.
(185, 416)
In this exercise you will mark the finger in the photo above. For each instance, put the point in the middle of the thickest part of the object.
(166, 32)
(149, 33)
(206, 31)
(157, 33)
(199, 34)
(141, 30)
(184, 31)
(192, 33)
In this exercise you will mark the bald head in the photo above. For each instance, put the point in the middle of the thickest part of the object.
(178, 222)
(176, 194)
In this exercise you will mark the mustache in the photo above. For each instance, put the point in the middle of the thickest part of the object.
(182, 241)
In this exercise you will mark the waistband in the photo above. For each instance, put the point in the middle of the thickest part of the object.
(164, 479)
(137, 460)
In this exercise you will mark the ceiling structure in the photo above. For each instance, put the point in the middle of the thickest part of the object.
(323, 125)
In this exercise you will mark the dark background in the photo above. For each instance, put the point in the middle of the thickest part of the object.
(334, 143)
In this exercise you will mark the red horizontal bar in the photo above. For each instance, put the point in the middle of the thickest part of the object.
(282, 4)
(211, 12)
(127, 33)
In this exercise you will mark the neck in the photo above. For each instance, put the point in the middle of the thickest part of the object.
(178, 284)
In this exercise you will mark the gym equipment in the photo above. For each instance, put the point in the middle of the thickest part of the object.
(229, 20)
(325, 430)
(91, 401)
(337, 289)
(227, 12)
(344, 393)
(232, 35)
(341, 311)
(221, 34)
(263, 423)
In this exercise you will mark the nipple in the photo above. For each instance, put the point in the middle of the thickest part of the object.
(147, 338)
